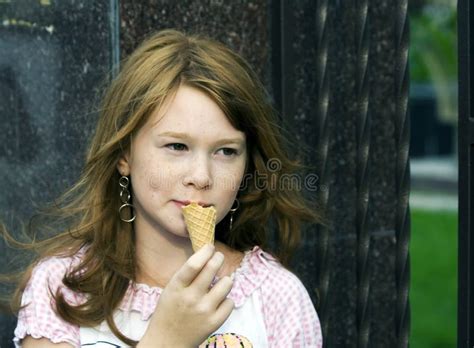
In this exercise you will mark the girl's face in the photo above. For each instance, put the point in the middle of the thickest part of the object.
(187, 151)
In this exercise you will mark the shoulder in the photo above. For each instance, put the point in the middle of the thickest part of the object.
(47, 277)
(289, 314)
(281, 284)
(275, 274)
(38, 317)
(54, 266)
(261, 271)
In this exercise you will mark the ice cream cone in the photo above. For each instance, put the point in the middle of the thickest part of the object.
(201, 224)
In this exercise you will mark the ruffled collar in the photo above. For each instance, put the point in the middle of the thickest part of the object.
(249, 276)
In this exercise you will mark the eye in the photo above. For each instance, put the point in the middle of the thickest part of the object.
(229, 151)
(176, 146)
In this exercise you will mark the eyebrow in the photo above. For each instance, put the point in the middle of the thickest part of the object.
(187, 136)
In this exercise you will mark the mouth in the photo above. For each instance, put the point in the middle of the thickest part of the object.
(184, 203)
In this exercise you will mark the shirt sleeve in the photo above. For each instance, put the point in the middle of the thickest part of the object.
(38, 317)
(290, 317)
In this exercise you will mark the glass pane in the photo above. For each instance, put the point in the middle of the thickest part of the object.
(433, 154)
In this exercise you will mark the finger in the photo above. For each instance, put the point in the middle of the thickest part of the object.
(223, 312)
(219, 291)
(188, 272)
(209, 271)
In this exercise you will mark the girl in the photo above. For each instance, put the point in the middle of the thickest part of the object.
(185, 121)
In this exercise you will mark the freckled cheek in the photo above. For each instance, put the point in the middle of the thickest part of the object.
(227, 181)
(164, 178)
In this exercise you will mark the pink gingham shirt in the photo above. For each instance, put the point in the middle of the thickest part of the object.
(289, 316)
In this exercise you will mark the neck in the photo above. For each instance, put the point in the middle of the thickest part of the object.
(161, 255)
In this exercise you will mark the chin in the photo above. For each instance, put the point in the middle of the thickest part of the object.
(182, 232)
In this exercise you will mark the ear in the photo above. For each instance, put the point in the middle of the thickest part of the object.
(123, 164)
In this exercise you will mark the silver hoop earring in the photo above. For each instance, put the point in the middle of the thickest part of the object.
(232, 211)
(125, 198)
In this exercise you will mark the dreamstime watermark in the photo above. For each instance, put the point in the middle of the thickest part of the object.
(269, 179)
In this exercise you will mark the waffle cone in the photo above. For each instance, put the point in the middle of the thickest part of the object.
(201, 224)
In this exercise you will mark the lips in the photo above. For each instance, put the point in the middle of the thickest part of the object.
(202, 204)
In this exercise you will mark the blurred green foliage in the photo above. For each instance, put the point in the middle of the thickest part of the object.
(433, 52)
(433, 290)
(433, 49)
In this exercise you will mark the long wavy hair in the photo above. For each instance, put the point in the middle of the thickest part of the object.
(90, 207)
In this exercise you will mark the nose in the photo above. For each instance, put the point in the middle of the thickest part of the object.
(199, 174)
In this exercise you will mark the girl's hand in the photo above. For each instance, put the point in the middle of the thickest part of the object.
(188, 311)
